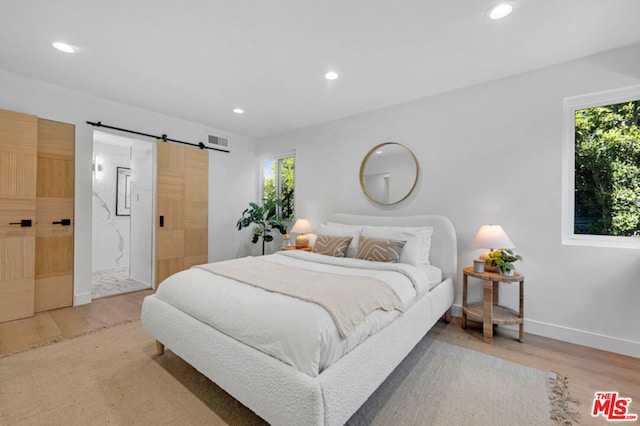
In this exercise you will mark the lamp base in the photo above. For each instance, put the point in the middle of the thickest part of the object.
(302, 241)
(488, 268)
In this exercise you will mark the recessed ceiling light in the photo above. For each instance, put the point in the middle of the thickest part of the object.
(238, 110)
(331, 75)
(63, 47)
(500, 10)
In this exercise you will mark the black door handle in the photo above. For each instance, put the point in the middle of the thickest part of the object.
(161, 221)
(63, 222)
(23, 223)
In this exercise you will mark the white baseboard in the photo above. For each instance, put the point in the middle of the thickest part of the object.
(456, 310)
(81, 299)
(584, 338)
(576, 336)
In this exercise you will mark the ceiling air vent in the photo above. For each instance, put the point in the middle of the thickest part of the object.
(219, 142)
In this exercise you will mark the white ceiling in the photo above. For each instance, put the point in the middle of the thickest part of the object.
(198, 59)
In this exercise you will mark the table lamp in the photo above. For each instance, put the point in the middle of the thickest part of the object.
(491, 237)
(302, 226)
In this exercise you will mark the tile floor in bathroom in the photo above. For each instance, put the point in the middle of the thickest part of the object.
(114, 281)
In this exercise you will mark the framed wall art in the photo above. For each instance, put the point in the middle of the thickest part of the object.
(123, 191)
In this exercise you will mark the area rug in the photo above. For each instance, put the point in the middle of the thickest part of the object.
(443, 384)
(113, 376)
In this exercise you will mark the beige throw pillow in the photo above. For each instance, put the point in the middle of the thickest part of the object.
(380, 250)
(332, 245)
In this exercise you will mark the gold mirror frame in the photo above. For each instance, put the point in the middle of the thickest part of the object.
(364, 164)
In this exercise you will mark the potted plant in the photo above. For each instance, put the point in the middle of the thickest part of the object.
(265, 218)
(503, 259)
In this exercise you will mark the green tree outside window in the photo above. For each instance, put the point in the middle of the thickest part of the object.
(607, 170)
(279, 184)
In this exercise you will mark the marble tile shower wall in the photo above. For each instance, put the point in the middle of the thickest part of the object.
(110, 232)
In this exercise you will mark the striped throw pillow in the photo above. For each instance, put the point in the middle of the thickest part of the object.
(332, 245)
(380, 250)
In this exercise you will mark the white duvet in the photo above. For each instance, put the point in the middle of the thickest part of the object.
(301, 334)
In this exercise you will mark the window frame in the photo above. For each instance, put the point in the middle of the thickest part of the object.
(570, 106)
(278, 157)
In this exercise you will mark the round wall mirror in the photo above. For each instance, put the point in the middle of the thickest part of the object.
(388, 173)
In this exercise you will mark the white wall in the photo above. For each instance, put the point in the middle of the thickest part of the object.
(491, 153)
(232, 177)
(142, 211)
(110, 242)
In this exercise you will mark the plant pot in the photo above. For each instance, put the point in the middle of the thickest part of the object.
(489, 268)
(507, 273)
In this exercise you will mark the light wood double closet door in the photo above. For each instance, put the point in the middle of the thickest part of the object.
(36, 214)
(182, 208)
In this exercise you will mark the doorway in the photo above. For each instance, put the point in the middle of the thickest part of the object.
(377, 185)
(122, 214)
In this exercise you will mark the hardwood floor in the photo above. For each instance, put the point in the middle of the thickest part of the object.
(47, 326)
(589, 370)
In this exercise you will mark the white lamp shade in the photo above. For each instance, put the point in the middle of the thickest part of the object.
(492, 237)
(302, 226)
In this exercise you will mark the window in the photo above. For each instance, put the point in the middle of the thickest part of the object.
(278, 183)
(601, 186)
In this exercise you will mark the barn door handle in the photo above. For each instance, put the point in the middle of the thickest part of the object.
(161, 221)
(23, 223)
(63, 222)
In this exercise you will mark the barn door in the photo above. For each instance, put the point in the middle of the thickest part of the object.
(181, 208)
(18, 161)
(54, 230)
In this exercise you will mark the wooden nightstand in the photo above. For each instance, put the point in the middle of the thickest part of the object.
(489, 311)
(296, 248)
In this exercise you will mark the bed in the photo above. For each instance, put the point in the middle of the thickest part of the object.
(291, 392)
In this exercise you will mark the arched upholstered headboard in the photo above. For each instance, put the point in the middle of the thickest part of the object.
(444, 246)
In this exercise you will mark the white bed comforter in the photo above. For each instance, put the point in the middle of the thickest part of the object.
(301, 334)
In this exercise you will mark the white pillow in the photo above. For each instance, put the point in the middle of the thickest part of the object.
(415, 251)
(341, 230)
